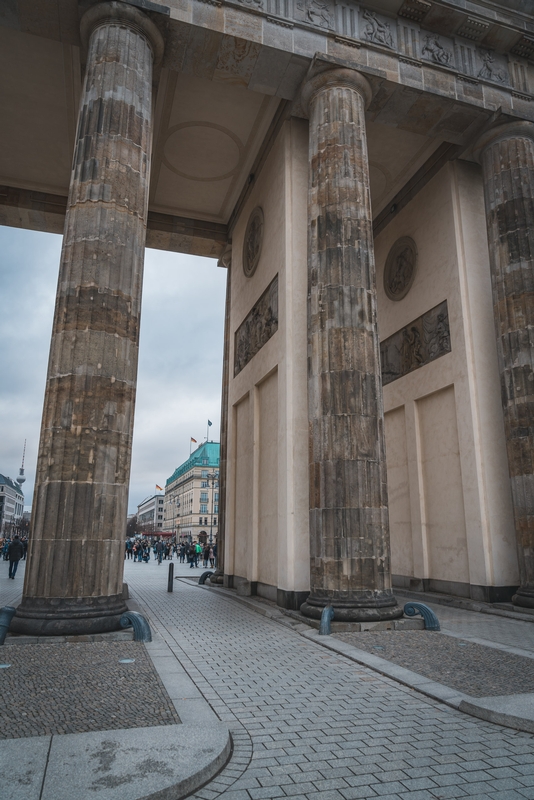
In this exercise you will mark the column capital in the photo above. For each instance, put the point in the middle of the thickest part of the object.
(225, 260)
(519, 129)
(115, 12)
(335, 78)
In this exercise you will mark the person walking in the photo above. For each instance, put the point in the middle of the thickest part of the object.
(15, 553)
(160, 548)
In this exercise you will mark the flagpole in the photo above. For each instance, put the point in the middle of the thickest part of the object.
(207, 431)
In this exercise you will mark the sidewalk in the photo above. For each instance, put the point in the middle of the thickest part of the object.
(309, 718)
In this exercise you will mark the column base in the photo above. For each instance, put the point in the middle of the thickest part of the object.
(75, 616)
(374, 608)
(217, 577)
(524, 597)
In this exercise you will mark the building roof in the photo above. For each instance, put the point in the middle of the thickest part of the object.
(206, 455)
(8, 482)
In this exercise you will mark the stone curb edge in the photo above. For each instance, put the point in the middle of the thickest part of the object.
(437, 691)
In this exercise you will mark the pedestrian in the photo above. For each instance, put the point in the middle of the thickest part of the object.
(160, 548)
(182, 554)
(15, 553)
(206, 555)
(212, 557)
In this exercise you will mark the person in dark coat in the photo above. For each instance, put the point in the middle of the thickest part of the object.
(15, 553)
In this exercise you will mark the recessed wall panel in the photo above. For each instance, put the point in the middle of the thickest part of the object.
(268, 481)
(243, 486)
(400, 521)
(443, 494)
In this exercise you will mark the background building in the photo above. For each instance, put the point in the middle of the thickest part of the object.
(192, 496)
(11, 504)
(150, 515)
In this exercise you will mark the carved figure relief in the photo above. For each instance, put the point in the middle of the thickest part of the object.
(252, 3)
(399, 272)
(434, 50)
(257, 328)
(316, 11)
(377, 31)
(422, 341)
(489, 70)
(253, 242)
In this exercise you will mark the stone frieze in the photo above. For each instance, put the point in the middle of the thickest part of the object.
(417, 344)
(469, 50)
(257, 328)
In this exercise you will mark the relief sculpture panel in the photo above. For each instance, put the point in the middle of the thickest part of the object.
(417, 344)
(257, 328)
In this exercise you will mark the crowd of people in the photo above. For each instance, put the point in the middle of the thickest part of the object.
(186, 552)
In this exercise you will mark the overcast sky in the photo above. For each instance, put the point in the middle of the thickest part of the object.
(180, 360)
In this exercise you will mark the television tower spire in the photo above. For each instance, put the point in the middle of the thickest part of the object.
(22, 478)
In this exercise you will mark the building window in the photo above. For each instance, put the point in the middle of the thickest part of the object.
(200, 520)
(205, 520)
(160, 516)
(215, 520)
(203, 497)
(203, 508)
(216, 497)
(204, 485)
(204, 473)
(216, 509)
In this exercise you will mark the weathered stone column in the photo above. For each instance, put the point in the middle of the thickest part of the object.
(506, 153)
(349, 528)
(218, 575)
(74, 575)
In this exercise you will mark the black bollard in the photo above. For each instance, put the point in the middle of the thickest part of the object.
(171, 577)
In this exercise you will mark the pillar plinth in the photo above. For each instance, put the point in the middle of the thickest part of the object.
(74, 575)
(506, 154)
(349, 528)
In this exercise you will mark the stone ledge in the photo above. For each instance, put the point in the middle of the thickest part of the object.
(166, 762)
(112, 636)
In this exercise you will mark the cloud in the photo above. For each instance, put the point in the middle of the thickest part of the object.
(180, 357)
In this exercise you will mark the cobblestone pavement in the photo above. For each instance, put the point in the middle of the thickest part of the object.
(313, 725)
(74, 688)
(471, 668)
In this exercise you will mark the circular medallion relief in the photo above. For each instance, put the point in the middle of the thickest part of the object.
(399, 271)
(252, 242)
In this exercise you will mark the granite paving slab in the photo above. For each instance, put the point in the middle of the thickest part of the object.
(471, 668)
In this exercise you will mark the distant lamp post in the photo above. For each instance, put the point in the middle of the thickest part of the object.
(212, 476)
(175, 504)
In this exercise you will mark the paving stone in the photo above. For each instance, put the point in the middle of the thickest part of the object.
(337, 721)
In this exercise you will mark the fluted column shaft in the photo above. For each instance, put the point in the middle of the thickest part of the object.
(349, 530)
(218, 575)
(74, 576)
(507, 157)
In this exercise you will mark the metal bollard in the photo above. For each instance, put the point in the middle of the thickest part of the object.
(326, 618)
(170, 585)
(431, 621)
(142, 632)
(6, 615)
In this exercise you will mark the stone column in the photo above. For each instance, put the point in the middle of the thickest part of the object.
(506, 153)
(74, 575)
(349, 528)
(218, 575)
